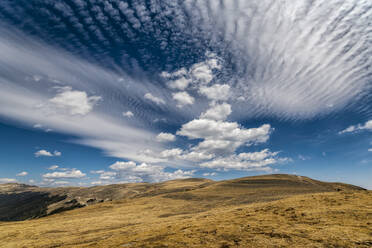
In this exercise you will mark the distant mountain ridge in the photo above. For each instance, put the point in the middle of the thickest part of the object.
(21, 201)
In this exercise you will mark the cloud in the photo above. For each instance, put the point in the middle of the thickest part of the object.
(102, 127)
(43, 153)
(171, 153)
(69, 174)
(74, 102)
(165, 137)
(7, 180)
(154, 99)
(209, 174)
(216, 92)
(128, 114)
(217, 112)
(107, 175)
(22, 174)
(245, 161)
(53, 167)
(179, 84)
(370, 149)
(57, 153)
(183, 98)
(203, 72)
(131, 172)
(219, 130)
(266, 68)
(46, 153)
(366, 126)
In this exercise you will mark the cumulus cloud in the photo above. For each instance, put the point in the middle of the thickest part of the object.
(165, 137)
(199, 74)
(132, 172)
(196, 156)
(154, 99)
(183, 98)
(217, 112)
(68, 174)
(244, 161)
(74, 102)
(216, 92)
(46, 153)
(171, 153)
(128, 114)
(219, 130)
(7, 180)
(22, 174)
(179, 84)
(370, 149)
(43, 153)
(366, 126)
(203, 72)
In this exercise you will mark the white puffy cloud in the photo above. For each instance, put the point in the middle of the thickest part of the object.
(68, 174)
(196, 156)
(203, 72)
(53, 167)
(165, 137)
(219, 130)
(122, 165)
(43, 153)
(22, 174)
(216, 92)
(171, 153)
(107, 175)
(370, 149)
(154, 99)
(220, 138)
(46, 153)
(215, 146)
(74, 102)
(198, 74)
(217, 112)
(131, 172)
(179, 84)
(245, 161)
(366, 126)
(128, 114)
(7, 180)
(183, 98)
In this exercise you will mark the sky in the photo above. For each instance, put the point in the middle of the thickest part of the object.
(96, 92)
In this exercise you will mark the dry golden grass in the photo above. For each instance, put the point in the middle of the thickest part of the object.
(202, 219)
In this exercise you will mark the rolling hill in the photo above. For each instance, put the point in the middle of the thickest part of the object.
(260, 211)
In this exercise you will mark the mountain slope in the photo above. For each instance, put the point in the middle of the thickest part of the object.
(21, 202)
(201, 213)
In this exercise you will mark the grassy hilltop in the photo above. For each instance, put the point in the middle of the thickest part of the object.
(262, 211)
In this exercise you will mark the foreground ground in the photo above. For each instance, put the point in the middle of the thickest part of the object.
(209, 217)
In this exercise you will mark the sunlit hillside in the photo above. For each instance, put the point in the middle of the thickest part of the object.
(263, 211)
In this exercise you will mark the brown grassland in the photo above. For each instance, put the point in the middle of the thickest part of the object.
(266, 211)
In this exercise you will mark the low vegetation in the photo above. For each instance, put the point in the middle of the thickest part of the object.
(264, 211)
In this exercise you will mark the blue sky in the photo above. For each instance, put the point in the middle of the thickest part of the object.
(98, 92)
